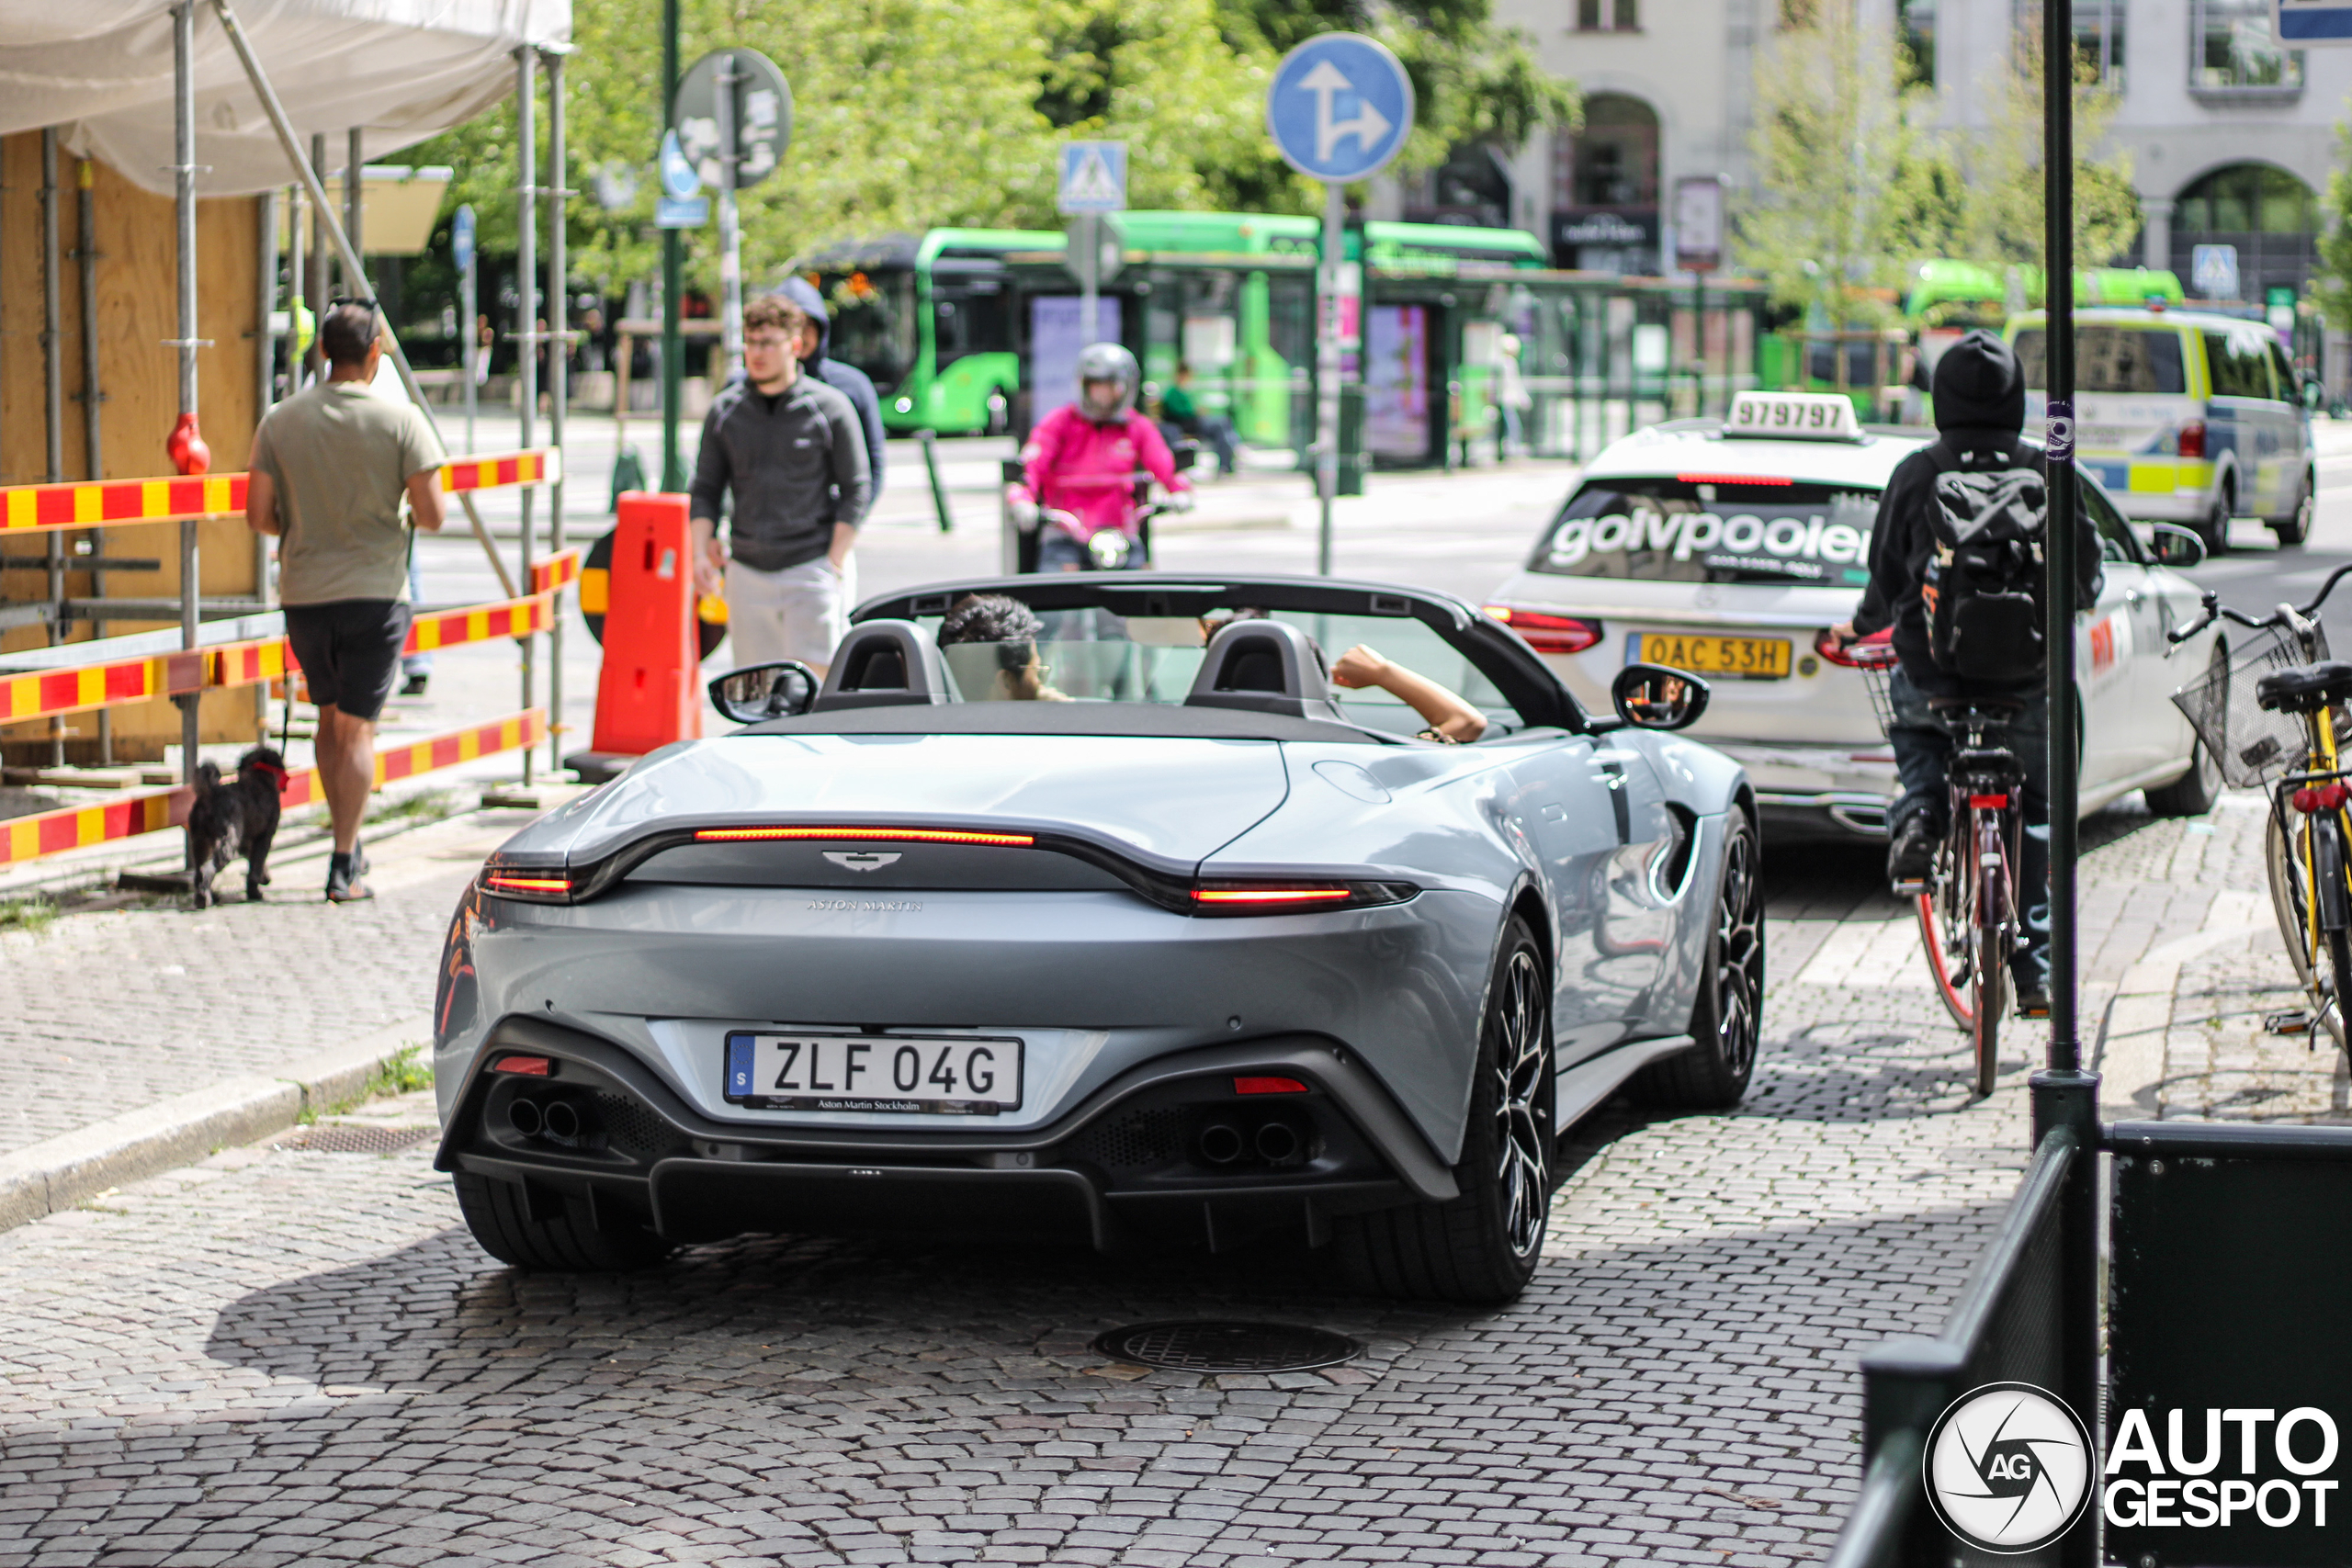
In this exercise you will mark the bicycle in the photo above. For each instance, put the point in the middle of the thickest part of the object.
(1968, 908)
(2284, 741)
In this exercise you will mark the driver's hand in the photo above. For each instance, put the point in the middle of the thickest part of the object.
(1023, 512)
(1179, 501)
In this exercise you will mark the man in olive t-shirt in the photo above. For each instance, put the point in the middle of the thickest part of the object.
(330, 465)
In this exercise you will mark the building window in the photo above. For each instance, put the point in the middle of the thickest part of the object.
(2267, 216)
(2234, 51)
(2099, 36)
(1915, 24)
(1605, 189)
(1608, 16)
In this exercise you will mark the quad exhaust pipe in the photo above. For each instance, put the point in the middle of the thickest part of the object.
(1221, 1144)
(1274, 1143)
(522, 1115)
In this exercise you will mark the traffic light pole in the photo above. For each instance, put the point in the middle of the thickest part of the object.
(673, 276)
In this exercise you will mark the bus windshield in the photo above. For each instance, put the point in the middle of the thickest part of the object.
(873, 322)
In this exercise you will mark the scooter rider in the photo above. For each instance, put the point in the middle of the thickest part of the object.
(1079, 467)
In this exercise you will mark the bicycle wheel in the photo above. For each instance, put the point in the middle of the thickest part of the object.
(1947, 920)
(2282, 857)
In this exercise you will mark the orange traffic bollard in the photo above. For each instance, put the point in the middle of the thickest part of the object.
(650, 691)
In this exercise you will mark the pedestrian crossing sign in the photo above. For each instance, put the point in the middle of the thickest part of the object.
(1093, 177)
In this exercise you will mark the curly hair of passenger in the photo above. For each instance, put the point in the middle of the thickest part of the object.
(1011, 626)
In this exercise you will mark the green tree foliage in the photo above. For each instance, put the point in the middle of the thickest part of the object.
(2004, 166)
(1838, 166)
(2333, 284)
(1853, 184)
(910, 114)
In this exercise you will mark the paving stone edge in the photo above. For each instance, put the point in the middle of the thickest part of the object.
(57, 1173)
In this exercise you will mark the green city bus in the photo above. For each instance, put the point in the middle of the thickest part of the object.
(931, 320)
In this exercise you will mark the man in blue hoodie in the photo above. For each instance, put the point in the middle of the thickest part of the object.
(847, 380)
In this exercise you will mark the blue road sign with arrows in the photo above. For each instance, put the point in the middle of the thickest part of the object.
(1340, 107)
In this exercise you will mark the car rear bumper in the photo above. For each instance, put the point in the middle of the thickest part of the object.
(1842, 790)
(1131, 1160)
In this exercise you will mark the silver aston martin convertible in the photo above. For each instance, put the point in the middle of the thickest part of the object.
(1127, 923)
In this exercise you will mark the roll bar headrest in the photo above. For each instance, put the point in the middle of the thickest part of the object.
(884, 664)
(1264, 667)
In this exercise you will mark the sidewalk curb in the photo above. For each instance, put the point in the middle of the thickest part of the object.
(57, 1173)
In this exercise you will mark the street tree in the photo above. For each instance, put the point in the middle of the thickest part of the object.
(2332, 280)
(2002, 165)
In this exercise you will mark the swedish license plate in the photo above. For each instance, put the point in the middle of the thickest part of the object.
(1740, 657)
(956, 1075)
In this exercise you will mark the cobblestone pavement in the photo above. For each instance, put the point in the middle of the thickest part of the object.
(106, 1012)
(290, 1354)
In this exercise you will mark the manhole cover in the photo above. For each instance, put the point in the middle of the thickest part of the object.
(350, 1138)
(1228, 1347)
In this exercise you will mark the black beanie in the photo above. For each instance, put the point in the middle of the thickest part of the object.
(1978, 385)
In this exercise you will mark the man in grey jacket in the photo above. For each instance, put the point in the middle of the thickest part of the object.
(788, 451)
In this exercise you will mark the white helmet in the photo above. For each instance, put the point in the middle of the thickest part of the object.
(1108, 362)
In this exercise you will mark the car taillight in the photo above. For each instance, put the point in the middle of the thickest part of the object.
(1545, 632)
(535, 1066)
(865, 835)
(1875, 651)
(1233, 895)
(531, 887)
(2321, 797)
(2192, 438)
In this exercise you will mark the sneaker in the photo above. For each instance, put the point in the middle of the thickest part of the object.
(414, 685)
(1912, 856)
(344, 886)
(2034, 999)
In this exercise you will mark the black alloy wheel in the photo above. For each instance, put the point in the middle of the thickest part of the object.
(2296, 526)
(1480, 1248)
(2215, 530)
(1727, 1018)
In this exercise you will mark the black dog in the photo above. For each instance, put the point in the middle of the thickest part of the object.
(236, 818)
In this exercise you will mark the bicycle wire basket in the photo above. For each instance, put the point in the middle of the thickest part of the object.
(1875, 662)
(2253, 745)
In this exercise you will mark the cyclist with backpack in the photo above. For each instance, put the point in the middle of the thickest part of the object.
(1957, 570)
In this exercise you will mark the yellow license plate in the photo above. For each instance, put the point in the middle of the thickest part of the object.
(1741, 657)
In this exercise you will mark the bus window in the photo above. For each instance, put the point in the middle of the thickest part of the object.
(873, 323)
(970, 317)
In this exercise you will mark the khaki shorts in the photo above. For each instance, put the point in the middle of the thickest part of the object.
(799, 612)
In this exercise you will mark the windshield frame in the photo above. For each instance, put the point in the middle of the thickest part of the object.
(1515, 670)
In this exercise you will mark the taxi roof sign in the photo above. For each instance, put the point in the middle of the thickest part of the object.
(1801, 416)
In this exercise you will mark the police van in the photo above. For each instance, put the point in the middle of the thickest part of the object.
(1730, 547)
(2185, 416)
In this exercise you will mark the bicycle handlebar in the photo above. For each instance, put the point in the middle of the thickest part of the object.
(2216, 610)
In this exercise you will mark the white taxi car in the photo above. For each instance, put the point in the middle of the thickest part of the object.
(1729, 547)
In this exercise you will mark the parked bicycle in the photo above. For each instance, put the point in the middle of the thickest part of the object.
(1969, 909)
(2271, 716)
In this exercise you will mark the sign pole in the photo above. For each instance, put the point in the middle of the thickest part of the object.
(730, 232)
(673, 276)
(1089, 240)
(1338, 109)
(2058, 252)
(468, 291)
(1326, 377)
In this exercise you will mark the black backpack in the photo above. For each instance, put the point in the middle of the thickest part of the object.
(1984, 592)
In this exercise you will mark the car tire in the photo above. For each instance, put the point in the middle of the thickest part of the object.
(1480, 1249)
(2194, 792)
(570, 1243)
(1726, 1019)
(2215, 529)
(2296, 526)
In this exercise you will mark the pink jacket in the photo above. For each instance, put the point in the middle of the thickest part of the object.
(1074, 465)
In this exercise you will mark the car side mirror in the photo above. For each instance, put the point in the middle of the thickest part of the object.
(764, 691)
(1653, 697)
(2175, 546)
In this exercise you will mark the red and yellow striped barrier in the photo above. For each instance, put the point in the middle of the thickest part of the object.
(480, 622)
(102, 503)
(51, 832)
(555, 571)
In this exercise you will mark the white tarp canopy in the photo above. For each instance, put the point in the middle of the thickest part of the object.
(399, 69)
